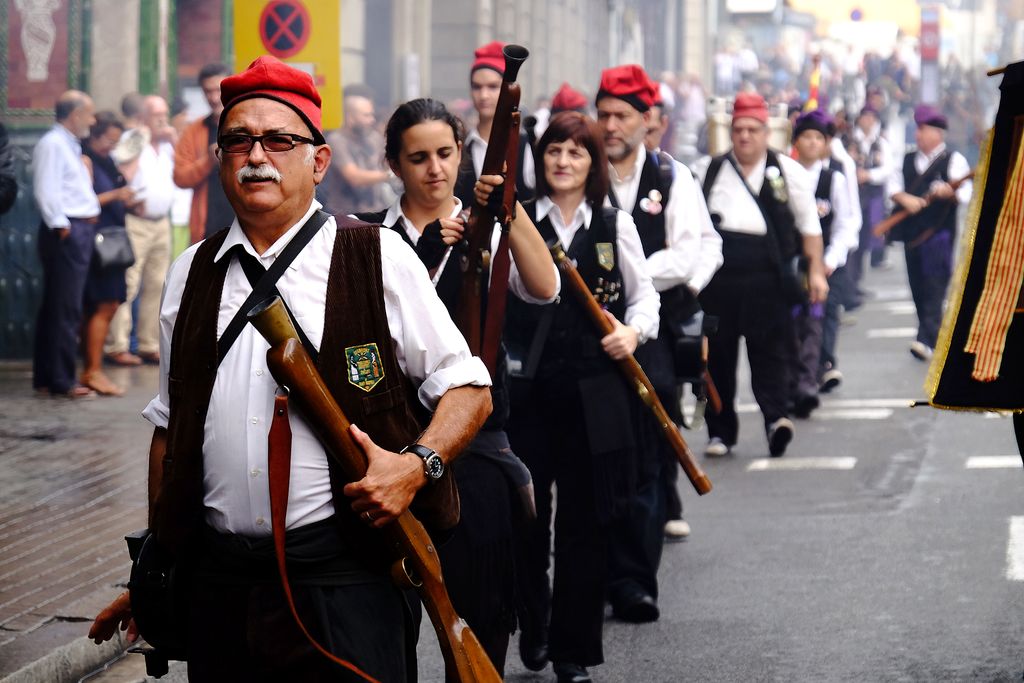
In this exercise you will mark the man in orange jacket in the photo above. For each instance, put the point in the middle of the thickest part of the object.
(196, 165)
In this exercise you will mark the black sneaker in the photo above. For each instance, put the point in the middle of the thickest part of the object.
(830, 379)
(804, 405)
(568, 672)
(780, 433)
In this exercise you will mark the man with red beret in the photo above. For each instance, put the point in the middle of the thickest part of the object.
(568, 98)
(763, 205)
(682, 252)
(485, 78)
(209, 493)
(922, 187)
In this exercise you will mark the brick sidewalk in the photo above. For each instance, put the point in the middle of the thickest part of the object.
(73, 483)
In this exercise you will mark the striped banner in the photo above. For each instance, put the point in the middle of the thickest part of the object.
(992, 317)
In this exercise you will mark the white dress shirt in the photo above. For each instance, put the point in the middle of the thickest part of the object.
(429, 348)
(845, 233)
(887, 162)
(958, 168)
(643, 302)
(60, 180)
(739, 210)
(395, 216)
(694, 248)
(154, 180)
(850, 176)
(479, 149)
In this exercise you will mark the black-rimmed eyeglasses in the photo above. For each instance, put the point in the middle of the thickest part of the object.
(238, 143)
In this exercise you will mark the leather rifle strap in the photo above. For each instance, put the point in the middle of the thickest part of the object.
(279, 459)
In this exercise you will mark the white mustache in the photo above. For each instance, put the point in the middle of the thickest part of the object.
(262, 172)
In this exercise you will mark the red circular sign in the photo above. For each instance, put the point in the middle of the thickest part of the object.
(285, 27)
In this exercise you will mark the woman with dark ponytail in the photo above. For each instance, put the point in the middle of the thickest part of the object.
(423, 146)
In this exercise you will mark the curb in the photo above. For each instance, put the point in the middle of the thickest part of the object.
(68, 663)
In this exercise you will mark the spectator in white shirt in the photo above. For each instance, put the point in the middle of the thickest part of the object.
(63, 190)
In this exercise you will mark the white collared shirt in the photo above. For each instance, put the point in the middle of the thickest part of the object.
(429, 348)
(395, 216)
(60, 181)
(850, 176)
(155, 180)
(694, 248)
(642, 300)
(730, 199)
(478, 149)
(958, 168)
(845, 233)
(887, 162)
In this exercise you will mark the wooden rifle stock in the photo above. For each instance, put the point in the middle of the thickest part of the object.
(416, 564)
(634, 374)
(897, 217)
(476, 259)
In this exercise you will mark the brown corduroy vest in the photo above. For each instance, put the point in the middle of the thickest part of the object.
(354, 315)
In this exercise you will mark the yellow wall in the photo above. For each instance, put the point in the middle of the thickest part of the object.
(906, 13)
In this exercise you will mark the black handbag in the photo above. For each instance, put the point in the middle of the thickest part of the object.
(113, 249)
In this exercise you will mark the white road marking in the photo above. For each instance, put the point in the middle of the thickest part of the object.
(892, 333)
(787, 464)
(900, 307)
(894, 294)
(844, 404)
(827, 413)
(994, 462)
(1015, 550)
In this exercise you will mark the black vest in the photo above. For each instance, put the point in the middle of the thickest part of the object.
(823, 193)
(572, 344)
(656, 177)
(938, 216)
(466, 178)
(747, 253)
(448, 287)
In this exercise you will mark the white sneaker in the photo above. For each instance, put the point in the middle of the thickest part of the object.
(920, 351)
(677, 528)
(716, 448)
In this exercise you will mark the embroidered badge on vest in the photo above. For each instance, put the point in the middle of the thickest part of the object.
(777, 183)
(651, 203)
(365, 369)
(605, 255)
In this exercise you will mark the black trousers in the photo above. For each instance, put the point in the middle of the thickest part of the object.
(839, 284)
(929, 268)
(478, 561)
(65, 268)
(241, 629)
(547, 428)
(748, 305)
(638, 536)
(808, 321)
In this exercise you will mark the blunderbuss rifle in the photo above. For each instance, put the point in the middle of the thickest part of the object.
(415, 560)
(634, 374)
(483, 330)
(897, 217)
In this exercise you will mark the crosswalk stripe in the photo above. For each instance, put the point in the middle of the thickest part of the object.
(844, 404)
(1015, 550)
(852, 414)
(788, 464)
(900, 307)
(892, 333)
(994, 462)
(894, 294)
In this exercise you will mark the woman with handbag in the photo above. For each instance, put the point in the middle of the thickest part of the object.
(105, 287)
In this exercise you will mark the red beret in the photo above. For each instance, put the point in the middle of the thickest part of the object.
(750, 105)
(630, 83)
(490, 56)
(271, 78)
(568, 99)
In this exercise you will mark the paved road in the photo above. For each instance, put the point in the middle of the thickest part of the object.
(879, 549)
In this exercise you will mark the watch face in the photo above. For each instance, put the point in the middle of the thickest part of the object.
(434, 466)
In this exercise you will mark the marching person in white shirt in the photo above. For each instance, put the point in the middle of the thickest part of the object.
(923, 186)
(358, 292)
(571, 413)
(763, 206)
(875, 163)
(839, 236)
(682, 251)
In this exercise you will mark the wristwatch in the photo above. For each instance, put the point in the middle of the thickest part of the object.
(433, 465)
